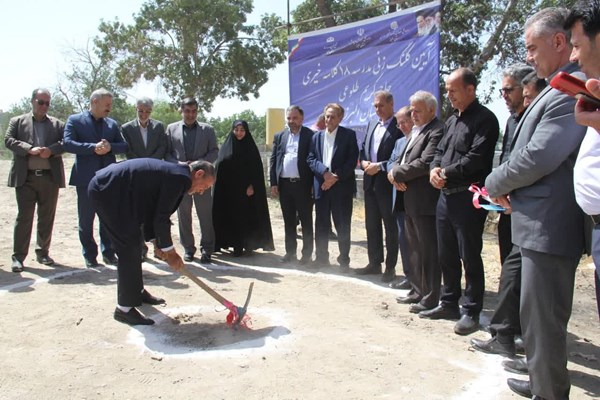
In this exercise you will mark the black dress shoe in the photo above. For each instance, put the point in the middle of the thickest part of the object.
(91, 263)
(441, 312)
(516, 366)
(369, 270)
(411, 299)
(467, 325)
(321, 262)
(110, 259)
(149, 299)
(238, 252)
(289, 257)
(132, 317)
(493, 346)
(46, 260)
(404, 284)
(305, 260)
(388, 276)
(17, 266)
(188, 257)
(417, 308)
(519, 387)
(205, 258)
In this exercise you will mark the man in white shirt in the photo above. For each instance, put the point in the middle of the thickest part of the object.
(584, 23)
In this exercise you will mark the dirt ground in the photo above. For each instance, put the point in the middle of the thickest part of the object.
(316, 333)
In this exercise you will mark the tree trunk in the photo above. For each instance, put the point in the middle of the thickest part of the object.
(325, 11)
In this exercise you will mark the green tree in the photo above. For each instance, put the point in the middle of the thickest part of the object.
(256, 123)
(165, 112)
(88, 73)
(194, 47)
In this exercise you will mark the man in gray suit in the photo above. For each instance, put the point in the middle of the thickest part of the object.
(36, 173)
(145, 136)
(146, 139)
(547, 224)
(411, 176)
(189, 141)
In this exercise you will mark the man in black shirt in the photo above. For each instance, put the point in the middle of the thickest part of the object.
(464, 156)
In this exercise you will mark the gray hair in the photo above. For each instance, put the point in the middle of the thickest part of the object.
(548, 21)
(405, 111)
(425, 97)
(207, 167)
(145, 101)
(99, 93)
(517, 71)
(386, 94)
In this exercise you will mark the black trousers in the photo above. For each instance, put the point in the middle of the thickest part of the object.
(504, 236)
(378, 212)
(40, 191)
(126, 236)
(459, 231)
(334, 203)
(505, 322)
(426, 275)
(296, 202)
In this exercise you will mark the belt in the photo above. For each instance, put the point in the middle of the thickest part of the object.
(454, 190)
(39, 172)
(290, 180)
(595, 219)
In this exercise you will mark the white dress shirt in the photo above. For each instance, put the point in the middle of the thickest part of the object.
(328, 142)
(290, 158)
(587, 173)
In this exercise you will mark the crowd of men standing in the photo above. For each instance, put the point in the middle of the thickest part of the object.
(418, 172)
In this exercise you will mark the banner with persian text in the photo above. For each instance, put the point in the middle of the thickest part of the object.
(398, 52)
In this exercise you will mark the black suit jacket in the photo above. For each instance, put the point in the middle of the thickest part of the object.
(420, 198)
(141, 191)
(343, 161)
(379, 182)
(278, 153)
(157, 143)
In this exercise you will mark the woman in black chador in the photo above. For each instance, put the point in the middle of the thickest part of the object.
(240, 210)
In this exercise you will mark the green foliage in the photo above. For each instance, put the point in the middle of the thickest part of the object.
(165, 112)
(310, 9)
(257, 125)
(194, 47)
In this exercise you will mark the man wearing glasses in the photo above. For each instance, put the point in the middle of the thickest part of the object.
(36, 173)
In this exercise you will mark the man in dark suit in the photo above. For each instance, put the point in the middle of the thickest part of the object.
(332, 158)
(405, 124)
(190, 140)
(36, 173)
(94, 139)
(144, 192)
(411, 175)
(547, 224)
(146, 138)
(464, 156)
(291, 179)
(374, 156)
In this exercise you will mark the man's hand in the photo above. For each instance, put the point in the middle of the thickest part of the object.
(504, 201)
(435, 179)
(34, 151)
(274, 191)
(250, 191)
(102, 147)
(390, 177)
(45, 152)
(372, 169)
(401, 186)
(173, 259)
(330, 180)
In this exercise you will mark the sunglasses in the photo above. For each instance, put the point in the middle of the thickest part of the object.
(42, 102)
(508, 90)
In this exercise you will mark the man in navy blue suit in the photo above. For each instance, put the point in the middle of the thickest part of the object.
(94, 139)
(332, 157)
(143, 192)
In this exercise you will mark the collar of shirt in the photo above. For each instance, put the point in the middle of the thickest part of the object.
(386, 122)
(94, 119)
(331, 133)
(142, 126)
(192, 126)
(471, 108)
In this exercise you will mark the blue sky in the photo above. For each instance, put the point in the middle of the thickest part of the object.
(37, 33)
